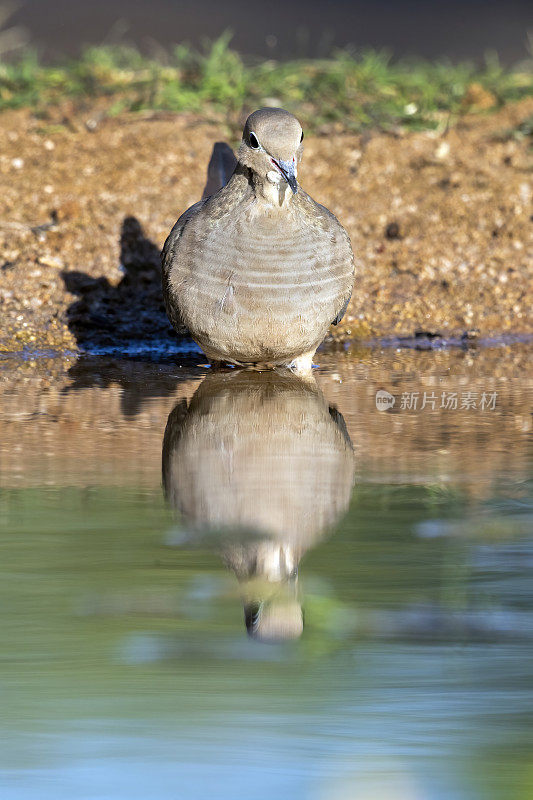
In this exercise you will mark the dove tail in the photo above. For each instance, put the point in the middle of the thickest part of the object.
(220, 169)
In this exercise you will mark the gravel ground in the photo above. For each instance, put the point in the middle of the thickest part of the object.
(441, 224)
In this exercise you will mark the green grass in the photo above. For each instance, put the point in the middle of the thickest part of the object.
(366, 89)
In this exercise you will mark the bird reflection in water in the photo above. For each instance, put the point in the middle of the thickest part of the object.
(264, 463)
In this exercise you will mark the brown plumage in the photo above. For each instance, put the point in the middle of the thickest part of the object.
(258, 271)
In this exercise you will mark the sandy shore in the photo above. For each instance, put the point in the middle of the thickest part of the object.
(441, 224)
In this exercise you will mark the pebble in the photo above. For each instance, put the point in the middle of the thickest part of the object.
(442, 151)
(50, 261)
(70, 209)
(392, 231)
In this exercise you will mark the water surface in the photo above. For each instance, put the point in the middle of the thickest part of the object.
(246, 585)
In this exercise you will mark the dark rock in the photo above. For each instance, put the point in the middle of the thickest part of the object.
(392, 231)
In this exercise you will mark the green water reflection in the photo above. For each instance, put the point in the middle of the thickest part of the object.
(126, 671)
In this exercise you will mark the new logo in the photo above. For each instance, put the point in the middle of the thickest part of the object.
(384, 400)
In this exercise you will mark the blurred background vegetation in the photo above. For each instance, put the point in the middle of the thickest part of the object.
(357, 86)
(360, 89)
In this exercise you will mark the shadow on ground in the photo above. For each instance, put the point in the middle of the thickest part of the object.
(114, 319)
(124, 330)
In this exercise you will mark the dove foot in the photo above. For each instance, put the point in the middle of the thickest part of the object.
(303, 364)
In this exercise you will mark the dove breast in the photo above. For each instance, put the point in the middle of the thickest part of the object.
(254, 282)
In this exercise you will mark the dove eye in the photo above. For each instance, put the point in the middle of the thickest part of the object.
(254, 144)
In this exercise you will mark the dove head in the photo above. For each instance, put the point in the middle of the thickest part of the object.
(272, 146)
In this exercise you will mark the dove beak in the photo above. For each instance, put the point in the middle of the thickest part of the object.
(288, 170)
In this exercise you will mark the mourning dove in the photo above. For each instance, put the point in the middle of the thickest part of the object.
(263, 464)
(258, 271)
